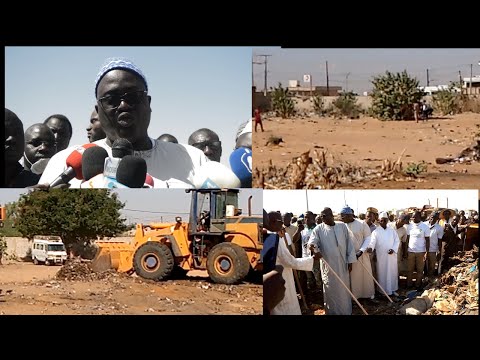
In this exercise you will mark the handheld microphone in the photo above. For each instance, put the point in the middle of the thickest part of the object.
(149, 180)
(120, 148)
(74, 166)
(241, 164)
(93, 161)
(132, 171)
(213, 175)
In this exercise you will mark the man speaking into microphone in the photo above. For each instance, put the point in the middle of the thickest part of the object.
(123, 107)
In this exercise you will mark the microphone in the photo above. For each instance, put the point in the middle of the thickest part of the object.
(149, 180)
(93, 161)
(120, 148)
(213, 175)
(132, 171)
(74, 166)
(241, 165)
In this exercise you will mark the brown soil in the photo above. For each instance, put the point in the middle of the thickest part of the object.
(35, 289)
(367, 142)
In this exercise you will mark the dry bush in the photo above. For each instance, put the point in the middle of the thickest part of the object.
(471, 104)
(318, 172)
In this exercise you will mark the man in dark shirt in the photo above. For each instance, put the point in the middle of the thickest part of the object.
(15, 175)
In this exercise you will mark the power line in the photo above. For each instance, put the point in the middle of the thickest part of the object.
(157, 212)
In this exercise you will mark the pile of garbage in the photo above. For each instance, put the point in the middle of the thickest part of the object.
(80, 270)
(457, 290)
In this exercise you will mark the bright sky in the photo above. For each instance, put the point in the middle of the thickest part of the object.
(295, 201)
(191, 87)
(155, 204)
(357, 66)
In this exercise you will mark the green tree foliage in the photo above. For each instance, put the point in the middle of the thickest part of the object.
(449, 102)
(8, 228)
(393, 96)
(77, 216)
(282, 103)
(346, 105)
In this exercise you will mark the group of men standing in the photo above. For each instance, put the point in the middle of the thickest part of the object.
(354, 259)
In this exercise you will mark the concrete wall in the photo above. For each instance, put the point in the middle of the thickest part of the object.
(307, 105)
(20, 247)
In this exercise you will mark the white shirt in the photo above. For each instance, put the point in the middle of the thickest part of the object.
(288, 238)
(417, 233)
(168, 162)
(305, 236)
(436, 233)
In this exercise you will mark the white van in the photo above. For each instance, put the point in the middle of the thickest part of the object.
(48, 251)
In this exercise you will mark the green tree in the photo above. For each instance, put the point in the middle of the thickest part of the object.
(393, 96)
(77, 216)
(282, 103)
(346, 105)
(448, 101)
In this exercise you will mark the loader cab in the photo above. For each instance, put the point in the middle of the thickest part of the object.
(211, 207)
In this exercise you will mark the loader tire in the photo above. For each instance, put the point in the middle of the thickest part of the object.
(153, 261)
(227, 263)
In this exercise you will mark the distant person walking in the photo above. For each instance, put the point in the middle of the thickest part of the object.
(416, 110)
(258, 119)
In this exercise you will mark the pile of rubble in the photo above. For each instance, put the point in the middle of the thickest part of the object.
(80, 270)
(457, 293)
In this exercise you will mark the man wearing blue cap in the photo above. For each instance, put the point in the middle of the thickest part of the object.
(361, 275)
(123, 107)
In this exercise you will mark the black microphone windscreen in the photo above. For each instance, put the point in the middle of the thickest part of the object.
(132, 171)
(121, 147)
(93, 161)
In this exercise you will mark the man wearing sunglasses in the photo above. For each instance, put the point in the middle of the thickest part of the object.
(123, 107)
(207, 141)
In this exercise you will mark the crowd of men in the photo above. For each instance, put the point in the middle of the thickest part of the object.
(360, 257)
(122, 110)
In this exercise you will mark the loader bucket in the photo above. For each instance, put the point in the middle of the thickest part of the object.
(113, 255)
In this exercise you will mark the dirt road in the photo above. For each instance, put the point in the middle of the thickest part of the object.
(30, 289)
(366, 142)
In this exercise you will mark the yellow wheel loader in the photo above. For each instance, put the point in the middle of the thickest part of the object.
(217, 238)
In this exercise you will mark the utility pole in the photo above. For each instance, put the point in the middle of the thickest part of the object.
(346, 82)
(266, 70)
(253, 78)
(306, 197)
(460, 79)
(471, 76)
(428, 79)
(328, 87)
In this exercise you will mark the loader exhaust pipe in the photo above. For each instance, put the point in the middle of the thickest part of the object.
(250, 205)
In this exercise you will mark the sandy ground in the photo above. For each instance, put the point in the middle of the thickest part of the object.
(366, 142)
(33, 289)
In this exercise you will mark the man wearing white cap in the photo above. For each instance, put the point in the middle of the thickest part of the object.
(124, 111)
(385, 240)
(335, 242)
(361, 275)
